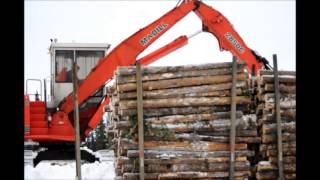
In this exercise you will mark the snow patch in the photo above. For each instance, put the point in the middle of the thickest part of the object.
(47, 170)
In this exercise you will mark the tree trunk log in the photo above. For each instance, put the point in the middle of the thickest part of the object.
(272, 128)
(214, 89)
(204, 166)
(286, 160)
(239, 133)
(190, 117)
(267, 166)
(285, 104)
(264, 79)
(225, 139)
(176, 94)
(282, 88)
(270, 97)
(264, 147)
(196, 137)
(182, 102)
(222, 125)
(188, 146)
(192, 125)
(126, 160)
(131, 70)
(288, 115)
(286, 152)
(150, 112)
(281, 73)
(175, 75)
(273, 138)
(182, 82)
(274, 175)
(185, 175)
(168, 154)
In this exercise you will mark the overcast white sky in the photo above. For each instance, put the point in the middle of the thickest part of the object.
(265, 26)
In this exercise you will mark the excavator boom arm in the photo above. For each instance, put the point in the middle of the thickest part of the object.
(218, 25)
(125, 54)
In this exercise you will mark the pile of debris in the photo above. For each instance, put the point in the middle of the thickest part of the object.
(186, 122)
(266, 114)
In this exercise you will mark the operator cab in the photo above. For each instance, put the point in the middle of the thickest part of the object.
(86, 55)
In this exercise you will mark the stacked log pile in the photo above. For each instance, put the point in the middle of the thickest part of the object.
(186, 122)
(267, 167)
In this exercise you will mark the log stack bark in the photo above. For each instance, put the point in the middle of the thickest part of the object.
(186, 122)
(267, 167)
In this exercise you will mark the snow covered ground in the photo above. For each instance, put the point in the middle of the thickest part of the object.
(58, 170)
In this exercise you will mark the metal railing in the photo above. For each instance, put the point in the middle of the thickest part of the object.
(48, 92)
(39, 94)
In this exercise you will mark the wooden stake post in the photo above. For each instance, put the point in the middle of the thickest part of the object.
(233, 118)
(76, 119)
(140, 120)
(278, 117)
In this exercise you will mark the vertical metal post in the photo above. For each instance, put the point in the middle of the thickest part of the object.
(48, 116)
(45, 92)
(233, 118)
(76, 117)
(278, 117)
(140, 119)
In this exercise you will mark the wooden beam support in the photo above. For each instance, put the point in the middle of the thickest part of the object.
(140, 120)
